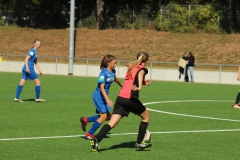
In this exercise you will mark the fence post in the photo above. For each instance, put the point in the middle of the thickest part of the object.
(56, 64)
(87, 68)
(220, 70)
(133, 18)
(151, 70)
(161, 14)
(189, 10)
(118, 67)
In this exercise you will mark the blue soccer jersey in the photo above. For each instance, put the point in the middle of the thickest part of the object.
(33, 57)
(32, 60)
(106, 77)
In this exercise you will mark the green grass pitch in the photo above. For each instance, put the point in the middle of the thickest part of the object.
(188, 121)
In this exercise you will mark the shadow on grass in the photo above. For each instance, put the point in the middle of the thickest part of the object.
(122, 145)
(28, 99)
(130, 144)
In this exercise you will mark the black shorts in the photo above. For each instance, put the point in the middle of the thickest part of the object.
(124, 106)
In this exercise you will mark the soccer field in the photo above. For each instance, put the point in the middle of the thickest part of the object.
(188, 121)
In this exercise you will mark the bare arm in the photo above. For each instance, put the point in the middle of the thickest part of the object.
(26, 63)
(118, 82)
(109, 102)
(147, 82)
(140, 81)
(238, 78)
(38, 68)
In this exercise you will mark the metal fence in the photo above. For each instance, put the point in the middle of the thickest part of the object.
(117, 14)
(167, 71)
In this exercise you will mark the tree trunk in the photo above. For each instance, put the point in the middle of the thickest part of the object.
(100, 14)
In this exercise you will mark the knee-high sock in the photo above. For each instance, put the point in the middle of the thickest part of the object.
(37, 91)
(238, 98)
(92, 118)
(94, 127)
(103, 132)
(142, 131)
(19, 90)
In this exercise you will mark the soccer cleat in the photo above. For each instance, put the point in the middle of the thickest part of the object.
(84, 123)
(236, 106)
(39, 100)
(89, 136)
(94, 145)
(143, 146)
(17, 100)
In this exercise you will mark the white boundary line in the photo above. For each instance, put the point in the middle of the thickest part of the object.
(166, 132)
(188, 101)
(186, 115)
(120, 134)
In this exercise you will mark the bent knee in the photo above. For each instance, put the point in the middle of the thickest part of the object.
(145, 116)
(37, 82)
(105, 117)
(146, 119)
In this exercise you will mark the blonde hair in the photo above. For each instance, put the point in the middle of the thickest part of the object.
(105, 60)
(141, 57)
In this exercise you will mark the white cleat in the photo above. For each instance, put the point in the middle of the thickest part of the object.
(17, 100)
(39, 100)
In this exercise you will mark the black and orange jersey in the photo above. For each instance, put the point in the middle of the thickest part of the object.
(129, 81)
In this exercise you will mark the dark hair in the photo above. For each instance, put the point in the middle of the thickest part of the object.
(105, 60)
(190, 53)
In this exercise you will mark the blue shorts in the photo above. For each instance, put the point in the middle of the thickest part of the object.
(100, 103)
(33, 75)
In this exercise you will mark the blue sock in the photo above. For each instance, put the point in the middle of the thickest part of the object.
(37, 91)
(19, 90)
(92, 118)
(94, 127)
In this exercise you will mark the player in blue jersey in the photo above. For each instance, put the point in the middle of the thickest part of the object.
(28, 72)
(100, 96)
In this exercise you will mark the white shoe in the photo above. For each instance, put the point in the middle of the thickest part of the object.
(17, 100)
(39, 100)
(236, 106)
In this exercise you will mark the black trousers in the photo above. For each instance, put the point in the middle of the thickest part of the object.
(186, 78)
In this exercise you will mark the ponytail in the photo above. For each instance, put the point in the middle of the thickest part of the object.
(141, 57)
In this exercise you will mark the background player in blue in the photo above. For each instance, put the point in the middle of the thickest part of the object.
(100, 96)
(28, 72)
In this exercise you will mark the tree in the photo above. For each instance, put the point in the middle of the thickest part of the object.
(100, 14)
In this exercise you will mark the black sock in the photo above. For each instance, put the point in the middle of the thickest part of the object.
(103, 132)
(142, 131)
(238, 98)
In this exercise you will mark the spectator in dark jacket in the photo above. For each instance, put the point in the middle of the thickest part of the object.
(191, 65)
